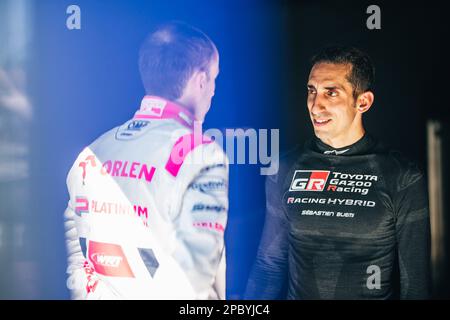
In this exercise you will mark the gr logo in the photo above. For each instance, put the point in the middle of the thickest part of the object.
(309, 180)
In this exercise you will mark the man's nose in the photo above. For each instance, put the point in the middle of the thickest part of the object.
(317, 105)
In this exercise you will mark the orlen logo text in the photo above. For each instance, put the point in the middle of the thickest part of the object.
(117, 168)
(309, 180)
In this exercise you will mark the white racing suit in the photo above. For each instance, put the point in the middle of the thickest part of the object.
(148, 210)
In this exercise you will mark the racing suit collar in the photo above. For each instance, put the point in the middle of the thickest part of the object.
(359, 147)
(153, 107)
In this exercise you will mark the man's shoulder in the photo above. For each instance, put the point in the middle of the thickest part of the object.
(288, 159)
(208, 152)
(139, 129)
(399, 168)
(194, 153)
(290, 156)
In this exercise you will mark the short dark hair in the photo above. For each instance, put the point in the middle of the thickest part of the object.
(362, 70)
(169, 56)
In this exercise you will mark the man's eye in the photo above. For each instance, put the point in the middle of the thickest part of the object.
(332, 93)
(311, 91)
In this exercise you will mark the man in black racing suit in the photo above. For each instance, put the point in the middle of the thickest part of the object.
(346, 217)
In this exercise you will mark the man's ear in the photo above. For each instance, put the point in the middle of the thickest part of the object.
(364, 101)
(202, 79)
(197, 81)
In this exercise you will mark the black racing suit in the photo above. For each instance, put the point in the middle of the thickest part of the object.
(351, 223)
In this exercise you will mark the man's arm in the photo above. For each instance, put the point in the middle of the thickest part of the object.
(82, 280)
(201, 224)
(413, 236)
(269, 273)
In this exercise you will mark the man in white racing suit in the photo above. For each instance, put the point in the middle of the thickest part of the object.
(149, 199)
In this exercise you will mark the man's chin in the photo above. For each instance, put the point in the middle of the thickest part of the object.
(322, 134)
(319, 130)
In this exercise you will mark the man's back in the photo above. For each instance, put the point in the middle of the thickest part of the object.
(140, 218)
